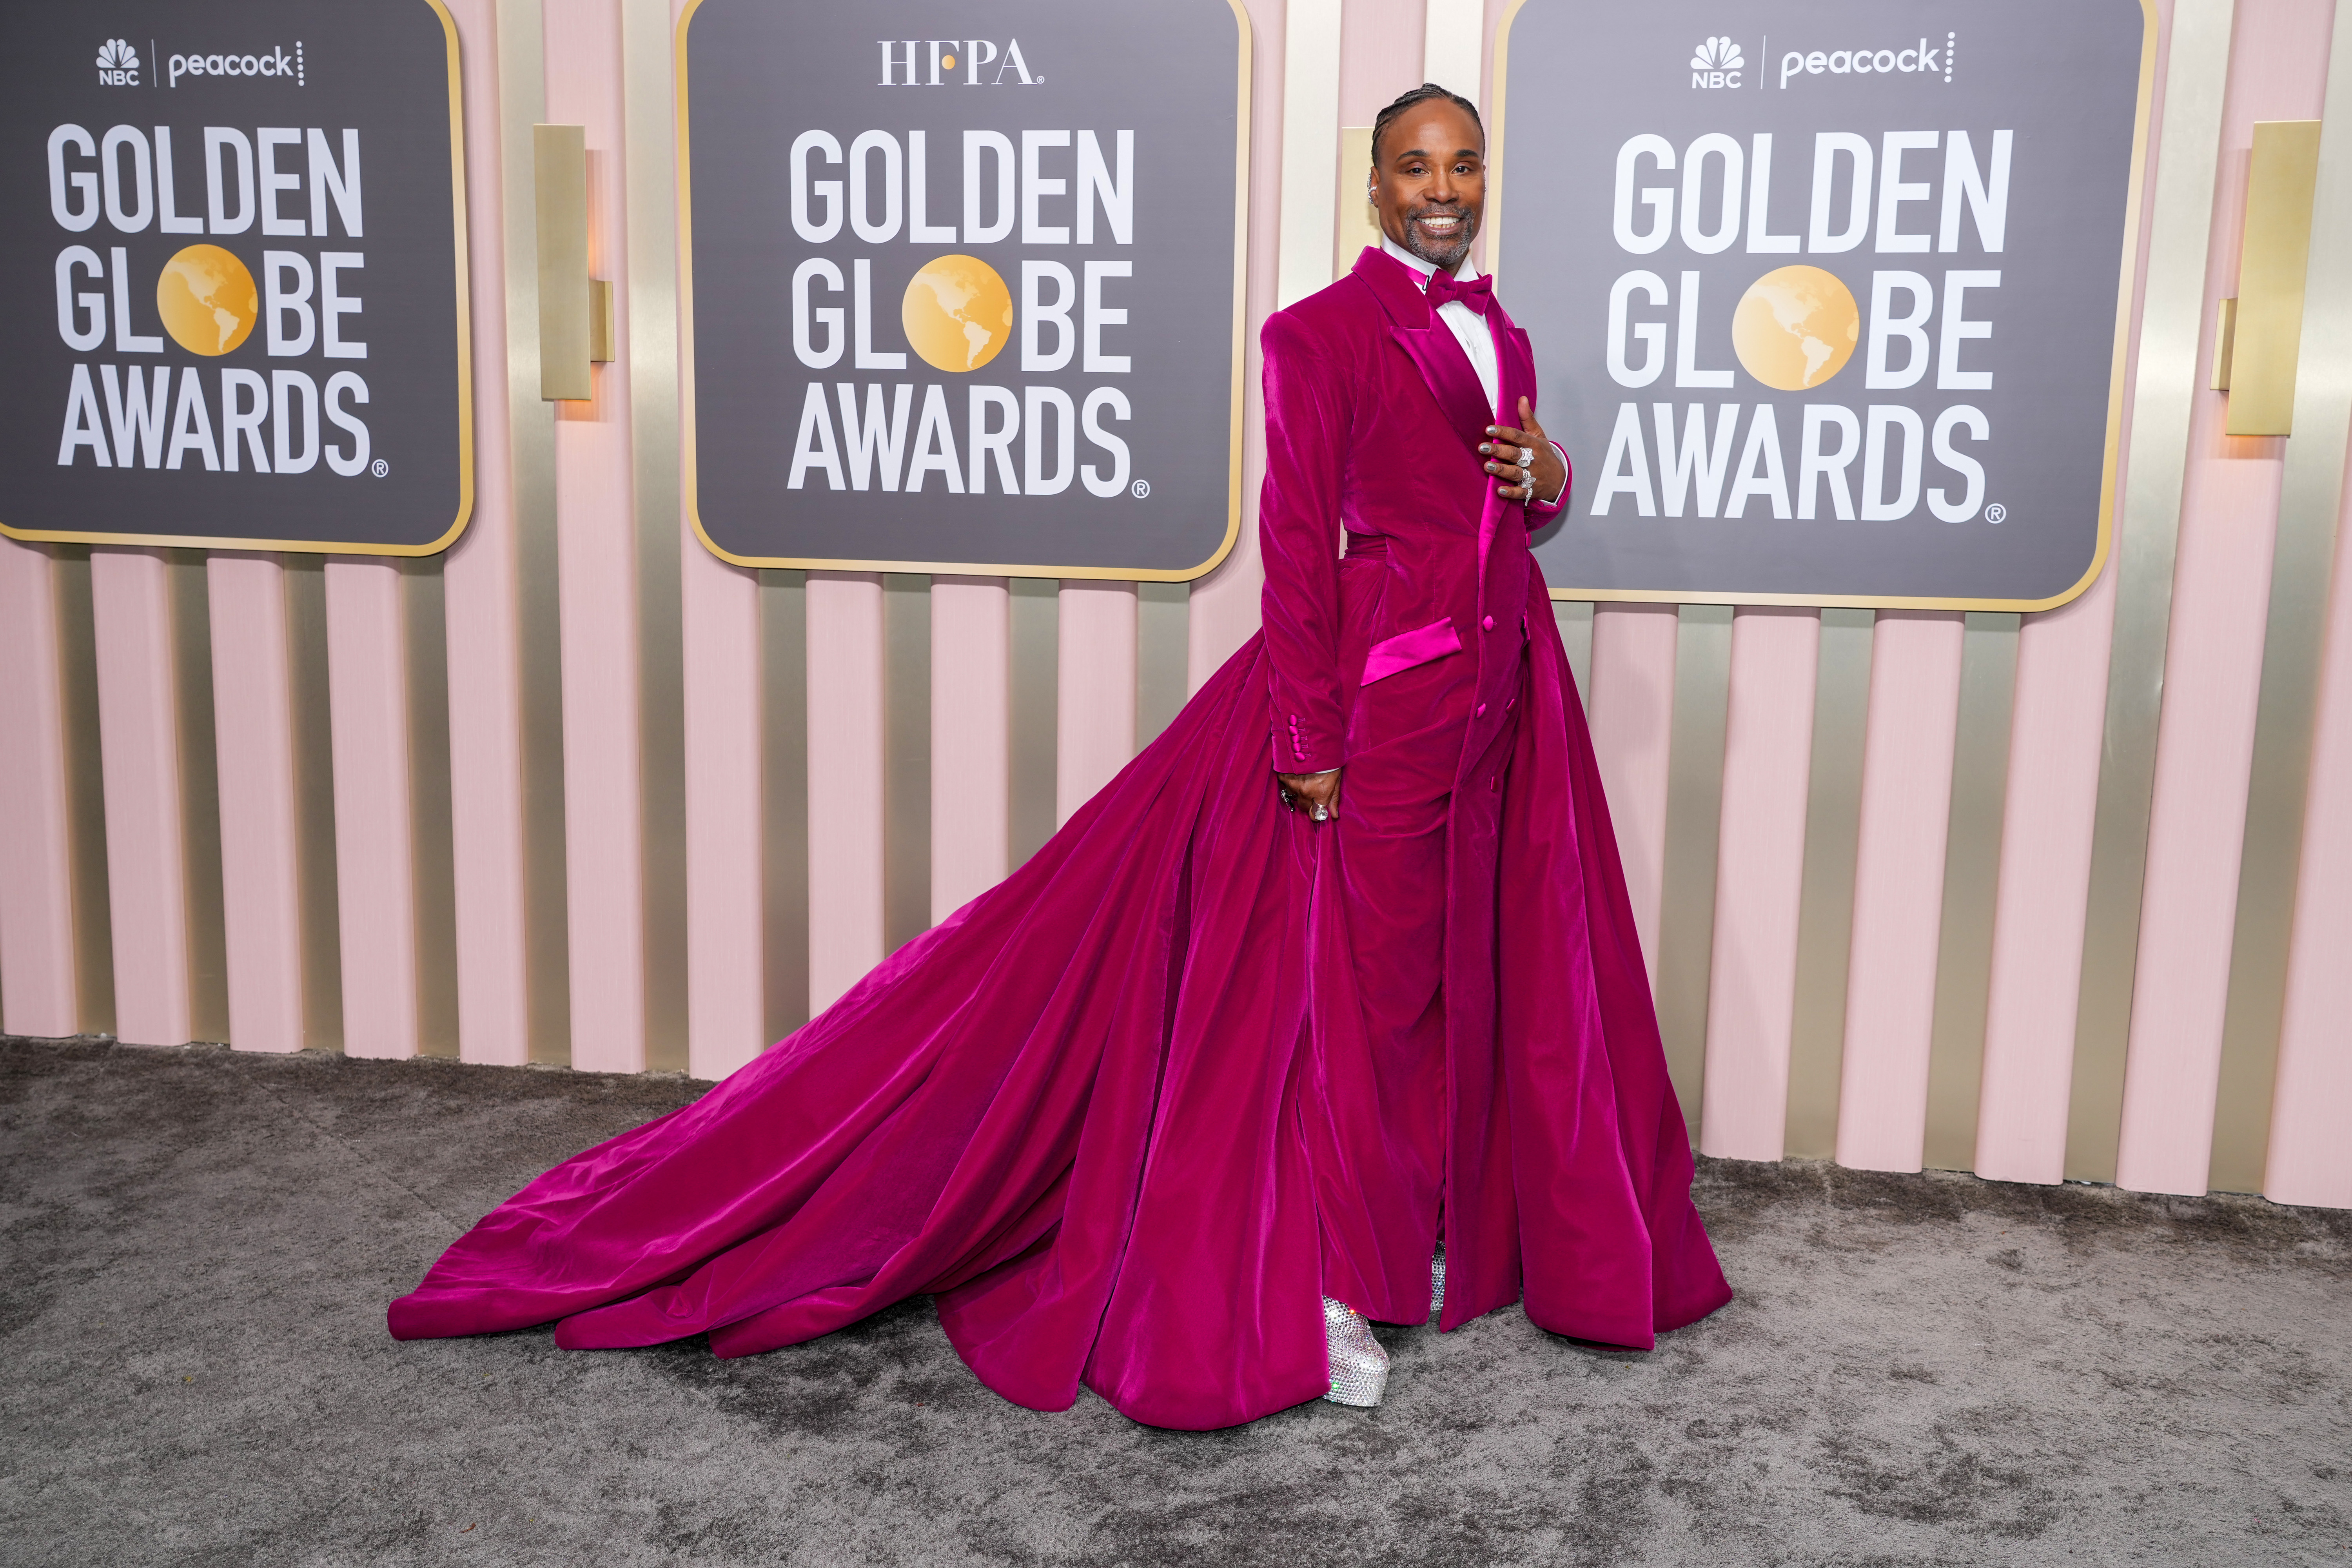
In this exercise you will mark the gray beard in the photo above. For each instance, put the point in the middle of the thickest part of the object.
(1447, 257)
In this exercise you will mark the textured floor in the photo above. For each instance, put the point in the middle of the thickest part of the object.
(1919, 1370)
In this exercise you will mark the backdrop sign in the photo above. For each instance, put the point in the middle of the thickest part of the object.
(966, 304)
(1831, 308)
(235, 236)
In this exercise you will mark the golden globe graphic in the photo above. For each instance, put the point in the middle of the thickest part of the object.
(957, 313)
(1795, 328)
(208, 300)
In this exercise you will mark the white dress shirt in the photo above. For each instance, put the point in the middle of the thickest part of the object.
(1469, 327)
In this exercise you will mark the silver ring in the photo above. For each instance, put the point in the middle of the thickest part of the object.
(1322, 814)
(1527, 455)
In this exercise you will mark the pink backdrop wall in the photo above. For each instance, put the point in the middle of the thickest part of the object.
(591, 467)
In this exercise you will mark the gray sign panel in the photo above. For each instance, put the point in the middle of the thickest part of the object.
(965, 303)
(1827, 296)
(235, 241)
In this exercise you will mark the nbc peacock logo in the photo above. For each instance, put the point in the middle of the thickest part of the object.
(118, 64)
(1717, 63)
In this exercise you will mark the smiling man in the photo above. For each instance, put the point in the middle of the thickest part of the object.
(1493, 995)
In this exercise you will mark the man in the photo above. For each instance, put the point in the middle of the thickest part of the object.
(1201, 1062)
(1400, 409)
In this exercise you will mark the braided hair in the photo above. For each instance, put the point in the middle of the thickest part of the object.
(1420, 94)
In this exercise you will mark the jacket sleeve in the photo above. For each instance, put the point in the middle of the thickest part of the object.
(1307, 433)
(1537, 509)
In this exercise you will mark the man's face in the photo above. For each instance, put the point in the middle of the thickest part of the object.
(1430, 181)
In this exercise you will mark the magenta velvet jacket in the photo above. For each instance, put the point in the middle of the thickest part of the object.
(1373, 416)
(1106, 1112)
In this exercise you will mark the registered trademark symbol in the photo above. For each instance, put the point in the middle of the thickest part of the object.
(1141, 488)
(379, 468)
(1996, 513)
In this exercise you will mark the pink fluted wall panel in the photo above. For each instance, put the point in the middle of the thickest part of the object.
(1632, 714)
(253, 720)
(146, 868)
(597, 587)
(479, 588)
(726, 913)
(971, 716)
(1898, 889)
(2055, 733)
(1767, 755)
(2212, 675)
(37, 954)
(846, 734)
(2310, 1159)
(725, 927)
(1380, 54)
(1224, 613)
(375, 869)
(1094, 690)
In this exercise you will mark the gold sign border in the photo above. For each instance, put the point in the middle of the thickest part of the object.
(465, 392)
(969, 568)
(2126, 306)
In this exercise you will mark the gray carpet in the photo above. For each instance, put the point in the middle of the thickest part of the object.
(1919, 1370)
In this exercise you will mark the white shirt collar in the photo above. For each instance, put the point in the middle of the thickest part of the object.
(1464, 273)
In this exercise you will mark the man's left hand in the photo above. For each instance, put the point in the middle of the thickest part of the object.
(1524, 458)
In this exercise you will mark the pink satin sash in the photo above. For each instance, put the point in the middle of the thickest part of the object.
(1406, 649)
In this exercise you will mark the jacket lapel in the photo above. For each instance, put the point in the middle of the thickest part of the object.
(1429, 342)
(1516, 358)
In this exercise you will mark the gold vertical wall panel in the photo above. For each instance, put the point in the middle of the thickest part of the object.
(2274, 261)
(784, 800)
(1164, 643)
(433, 845)
(1825, 906)
(559, 166)
(192, 678)
(314, 802)
(1574, 619)
(522, 97)
(1035, 698)
(2311, 495)
(93, 919)
(1694, 828)
(2172, 318)
(1359, 225)
(649, 166)
(905, 758)
(1971, 883)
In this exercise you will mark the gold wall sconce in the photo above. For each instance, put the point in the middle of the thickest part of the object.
(2258, 335)
(575, 310)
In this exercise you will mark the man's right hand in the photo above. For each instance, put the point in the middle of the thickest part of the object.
(1306, 792)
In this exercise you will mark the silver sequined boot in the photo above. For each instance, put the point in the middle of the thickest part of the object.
(1359, 1367)
(1437, 1283)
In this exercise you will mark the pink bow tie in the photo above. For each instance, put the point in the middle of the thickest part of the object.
(1478, 293)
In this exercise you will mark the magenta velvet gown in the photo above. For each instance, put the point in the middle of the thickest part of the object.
(1201, 1062)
